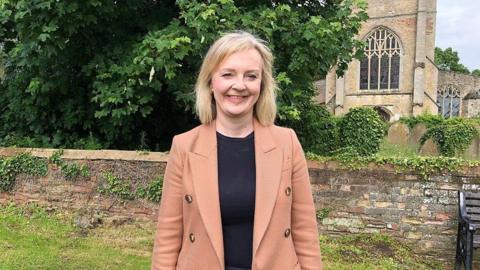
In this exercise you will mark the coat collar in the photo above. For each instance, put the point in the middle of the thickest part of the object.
(203, 160)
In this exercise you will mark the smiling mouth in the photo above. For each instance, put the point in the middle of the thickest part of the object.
(236, 99)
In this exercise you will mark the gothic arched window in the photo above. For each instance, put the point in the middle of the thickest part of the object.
(380, 69)
(448, 101)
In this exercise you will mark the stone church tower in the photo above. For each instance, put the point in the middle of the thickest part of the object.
(398, 76)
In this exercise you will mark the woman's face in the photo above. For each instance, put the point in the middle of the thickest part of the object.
(236, 84)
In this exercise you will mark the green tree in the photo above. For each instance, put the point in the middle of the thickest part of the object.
(448, 60)
(476, 72)
(122, 72)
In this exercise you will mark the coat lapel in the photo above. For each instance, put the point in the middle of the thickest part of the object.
(203, 161)
(268, 162)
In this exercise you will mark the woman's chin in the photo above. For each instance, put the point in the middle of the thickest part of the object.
(238, 113)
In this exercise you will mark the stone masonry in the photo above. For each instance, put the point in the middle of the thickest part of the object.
(468, 87)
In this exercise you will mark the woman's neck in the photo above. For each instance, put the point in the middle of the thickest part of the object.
(236, 127)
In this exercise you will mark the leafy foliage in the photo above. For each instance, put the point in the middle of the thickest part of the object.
(116, 186)
(428, 119)
(25, 163)
(15, 140)
(424, 166)
(124, 190)
(153, 192)
(317, 130)
(74, 169)
(114, 73)
(362, 130)
(70, 170)
(323, 213)
(453, 136)
(448, 60)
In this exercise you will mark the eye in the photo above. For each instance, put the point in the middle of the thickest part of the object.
(252, 76)
(226, 74)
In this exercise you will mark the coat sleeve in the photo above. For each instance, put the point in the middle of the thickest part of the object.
(304, 222)
(168, 237)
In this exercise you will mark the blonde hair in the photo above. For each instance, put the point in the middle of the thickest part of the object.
(265, 108)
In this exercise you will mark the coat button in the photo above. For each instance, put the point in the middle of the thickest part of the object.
(287, 232)
(192, 237)
(288, 191)
(188, 198)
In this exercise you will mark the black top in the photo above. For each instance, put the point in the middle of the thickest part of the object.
(236, 183)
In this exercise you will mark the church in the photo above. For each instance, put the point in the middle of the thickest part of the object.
(397, 75)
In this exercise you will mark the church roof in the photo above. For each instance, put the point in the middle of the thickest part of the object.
(474, 94)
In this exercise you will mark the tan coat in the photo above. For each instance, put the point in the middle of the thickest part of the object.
(189, 229)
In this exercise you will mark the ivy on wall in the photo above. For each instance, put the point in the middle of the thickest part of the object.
(424, 166)
(453, 136)
(428, 120)
(25, 163)
(116, 186)
(70, 170)
(153, 191)
(11, 167)
(124, 190)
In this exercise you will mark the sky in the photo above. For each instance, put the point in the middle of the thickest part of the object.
(458, 26)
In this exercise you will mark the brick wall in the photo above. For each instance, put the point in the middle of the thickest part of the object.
(422, 213)
(81, 194)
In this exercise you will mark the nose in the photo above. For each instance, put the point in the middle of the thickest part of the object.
(239, 84)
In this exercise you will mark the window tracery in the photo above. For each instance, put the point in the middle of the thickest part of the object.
(380, 69)
(448, 101)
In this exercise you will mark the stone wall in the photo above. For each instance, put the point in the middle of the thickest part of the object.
(466, 85)
(462, 82)
(422, 213)
(471, 107)
(376, 199)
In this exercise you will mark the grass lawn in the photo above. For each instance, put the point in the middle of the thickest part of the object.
(402, 151)
(31, 238)
(394, 150)
(370, 251)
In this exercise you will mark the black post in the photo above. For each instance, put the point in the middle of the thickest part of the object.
(460, 248)
(469, 250)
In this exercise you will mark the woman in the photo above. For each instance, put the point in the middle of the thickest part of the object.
(237, 194)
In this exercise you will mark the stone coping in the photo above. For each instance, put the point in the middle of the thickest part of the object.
(90, 154)
(75, 154)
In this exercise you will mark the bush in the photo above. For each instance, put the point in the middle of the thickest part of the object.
(14, 140)
(363, 130)
(317, 130)
(452, 136)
